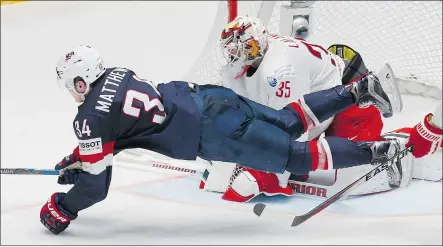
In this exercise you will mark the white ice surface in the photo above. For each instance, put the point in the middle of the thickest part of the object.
(160, 41)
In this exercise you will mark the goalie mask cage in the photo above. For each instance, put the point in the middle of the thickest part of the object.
(405, 34)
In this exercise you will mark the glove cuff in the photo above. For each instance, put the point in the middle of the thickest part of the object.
(55, 208)
(428, 131)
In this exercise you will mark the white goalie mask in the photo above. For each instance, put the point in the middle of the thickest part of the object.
(243, 41)
(83, 63)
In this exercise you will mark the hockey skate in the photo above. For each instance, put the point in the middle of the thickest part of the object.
(389, 84)
(384, 150)
(368, 91)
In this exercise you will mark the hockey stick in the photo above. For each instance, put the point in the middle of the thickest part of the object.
(29, 171)
(33, 171)
(297, 220)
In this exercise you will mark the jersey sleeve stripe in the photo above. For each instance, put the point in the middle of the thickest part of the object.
(99, 166)
(97, 163)
(108, 148)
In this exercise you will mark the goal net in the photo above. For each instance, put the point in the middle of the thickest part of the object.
(405, 34)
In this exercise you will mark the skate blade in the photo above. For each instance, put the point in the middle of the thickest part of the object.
(390, 86)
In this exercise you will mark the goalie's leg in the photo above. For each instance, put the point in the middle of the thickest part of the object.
(246, 183)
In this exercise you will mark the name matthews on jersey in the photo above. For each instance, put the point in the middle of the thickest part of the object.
(109, 89)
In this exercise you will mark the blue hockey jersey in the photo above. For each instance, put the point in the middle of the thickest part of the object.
(122, 111)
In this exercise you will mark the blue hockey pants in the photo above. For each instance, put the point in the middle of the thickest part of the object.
(236, 129)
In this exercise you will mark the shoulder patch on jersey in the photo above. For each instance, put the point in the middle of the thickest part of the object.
(272, 81)
(90, 146)
(280, 73)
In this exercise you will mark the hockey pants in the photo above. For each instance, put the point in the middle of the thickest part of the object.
(238, 130)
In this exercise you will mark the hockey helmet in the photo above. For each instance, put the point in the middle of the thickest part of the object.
(83, 63)
(243, 41)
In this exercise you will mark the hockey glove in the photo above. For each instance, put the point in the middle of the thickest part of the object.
(53, 216)
(69, 175)
(67, 161)
(425, 137)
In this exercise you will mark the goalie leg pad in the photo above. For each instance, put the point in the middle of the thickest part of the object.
(247, 183)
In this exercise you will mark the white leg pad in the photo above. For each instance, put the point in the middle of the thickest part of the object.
(218, 177)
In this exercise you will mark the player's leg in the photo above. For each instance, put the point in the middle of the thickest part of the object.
(354, 123)
(235, 129)
(314, 108)
(357, 123)
(245, 183)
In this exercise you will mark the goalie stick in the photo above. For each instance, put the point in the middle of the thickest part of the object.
(259, 208)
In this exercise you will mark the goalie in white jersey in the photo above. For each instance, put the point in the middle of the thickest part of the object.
(275, 70)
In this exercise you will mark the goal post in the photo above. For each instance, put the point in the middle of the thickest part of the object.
(232, 10)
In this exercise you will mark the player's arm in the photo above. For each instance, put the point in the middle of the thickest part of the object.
(91, 184)
(427, 135)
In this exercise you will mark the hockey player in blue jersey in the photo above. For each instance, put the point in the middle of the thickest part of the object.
(184, 120)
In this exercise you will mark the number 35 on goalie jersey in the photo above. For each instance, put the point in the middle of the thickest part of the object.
(120, 110)
(293, 67)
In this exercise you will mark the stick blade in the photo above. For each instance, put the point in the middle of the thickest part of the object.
(259, 208)
(298, 220)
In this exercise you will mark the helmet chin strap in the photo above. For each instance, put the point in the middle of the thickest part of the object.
(80, 97)
(257, 62)
(242, 73)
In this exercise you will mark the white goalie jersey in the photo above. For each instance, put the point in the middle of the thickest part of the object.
(290, 69)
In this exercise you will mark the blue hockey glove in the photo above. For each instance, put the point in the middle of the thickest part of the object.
(69, 176)
(67, 161)
(53, 216)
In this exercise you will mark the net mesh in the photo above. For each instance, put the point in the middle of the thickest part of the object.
(405, 34)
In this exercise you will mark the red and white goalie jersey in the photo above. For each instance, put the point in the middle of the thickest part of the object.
(289, 69)
(273, 71)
